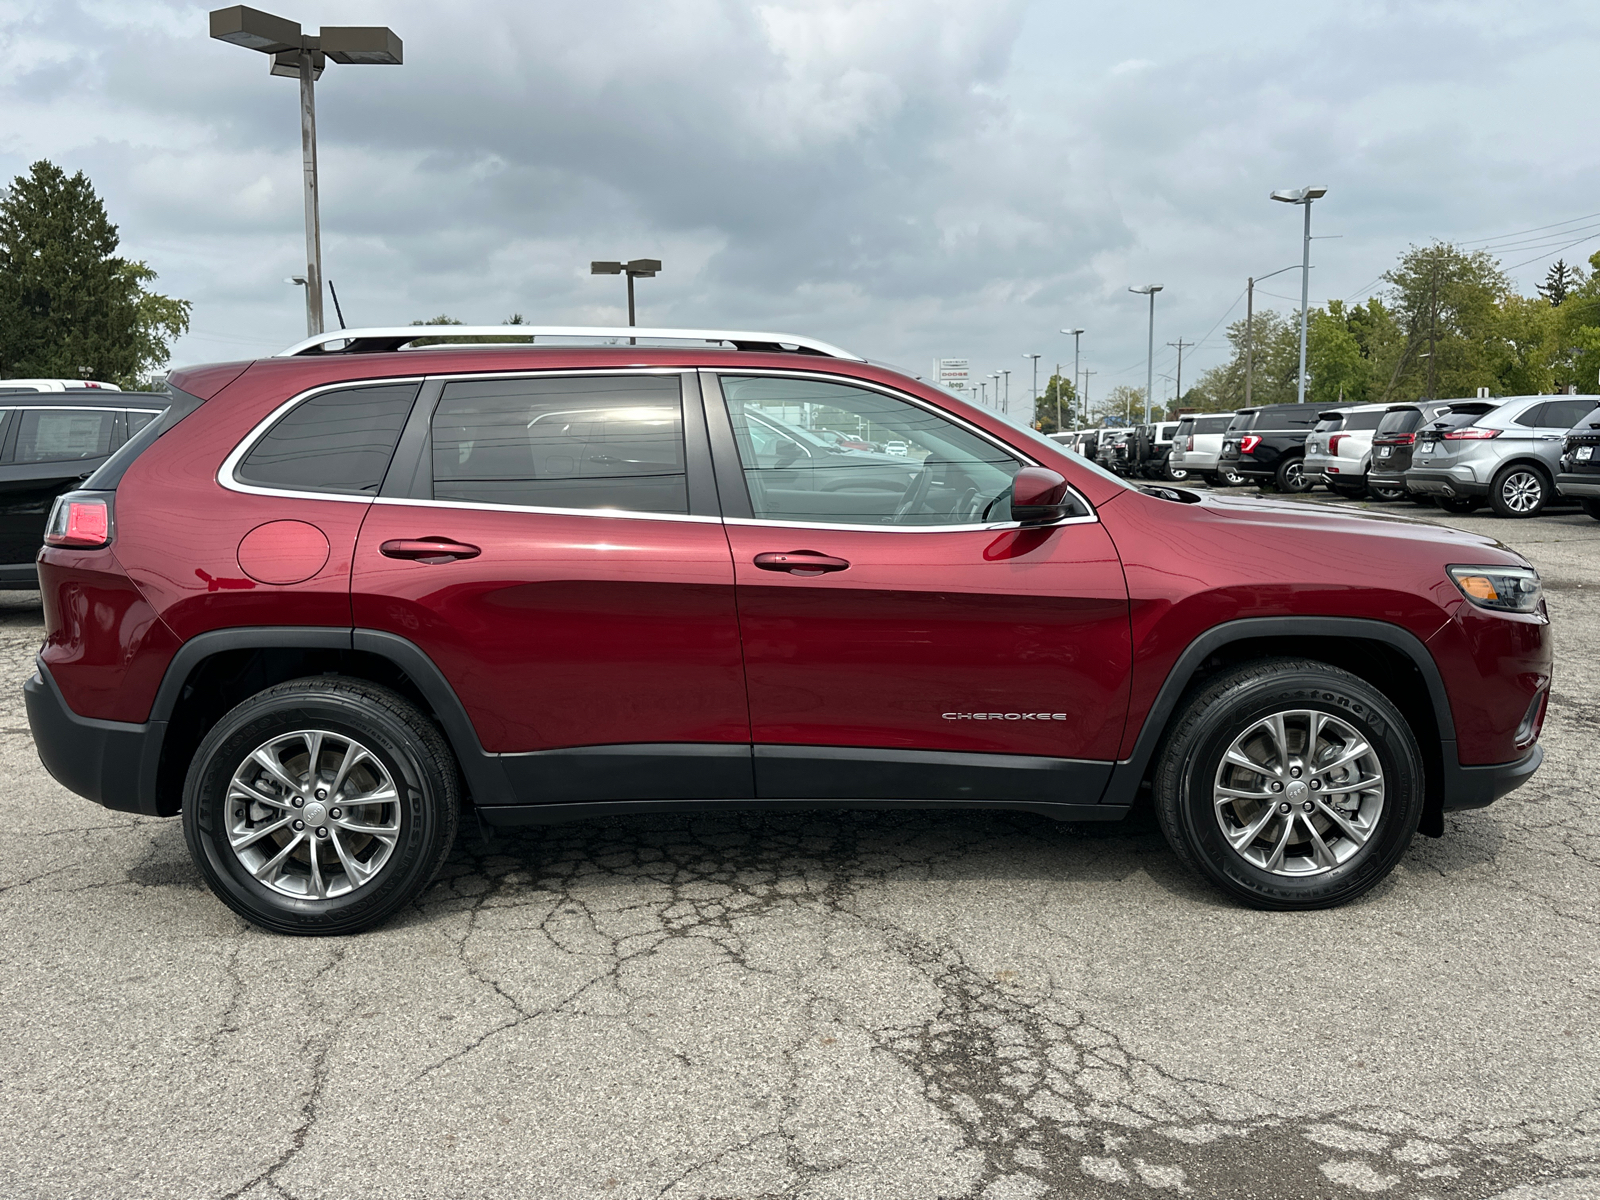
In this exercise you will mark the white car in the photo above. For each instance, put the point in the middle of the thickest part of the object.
(1339, 450)
(54, 385)
(1197, 452)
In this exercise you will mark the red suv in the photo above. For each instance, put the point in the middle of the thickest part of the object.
(330, 598)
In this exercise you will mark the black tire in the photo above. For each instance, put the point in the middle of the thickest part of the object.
(1422, 498)
(1590, 505)
(1459, 504)
(1358, 492)
(1519, 491)
(1225, 707)
(407, 745)
(1385, 494)
(1291, 476)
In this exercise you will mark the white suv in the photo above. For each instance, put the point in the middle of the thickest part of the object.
(1339, 450)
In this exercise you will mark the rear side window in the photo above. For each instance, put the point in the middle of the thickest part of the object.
(1532, 416)
(138, 420)
(339, 441)
(1403, 420)
(1213, 424)
(587, 442)
(64, 434)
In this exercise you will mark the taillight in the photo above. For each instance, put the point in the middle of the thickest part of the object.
(1189, 446)
(1249, 442)
(1471, 434)
(1401, 439)
(79, 521)
(1334, 440)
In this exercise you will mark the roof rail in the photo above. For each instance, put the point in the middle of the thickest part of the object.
(395, 337)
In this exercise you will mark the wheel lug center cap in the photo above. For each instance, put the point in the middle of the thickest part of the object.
(315, 813)
(1296, 792)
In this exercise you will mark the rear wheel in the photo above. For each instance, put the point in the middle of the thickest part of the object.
(1289, 784)
(1519, 491)
(1386, 495)
(1291, 476)
(321, 806)
(1459, 504)
(1177, 474)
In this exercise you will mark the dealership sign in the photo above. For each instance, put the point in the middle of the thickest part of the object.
(951, 373)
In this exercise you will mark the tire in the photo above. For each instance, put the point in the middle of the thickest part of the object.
(1291, 476)
(1519, 491)
(1177, 474)
(276, 878)
(1590, 505)
(1273, 871)
(1422, 498)
(1348, 492)
(1386, 495)
(1459, 504)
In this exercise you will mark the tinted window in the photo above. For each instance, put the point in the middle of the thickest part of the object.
(922, 469)
(337, 441)
(1590, 420)
(1564, 414)
(1532, 416)
(1400, 421)
(1329, 424)
(1363, 420)
(1292, 418)
(138, 420)
(1168, 432)
(64, 434)
(1212, 424)
(590, 442)
(1242, 422)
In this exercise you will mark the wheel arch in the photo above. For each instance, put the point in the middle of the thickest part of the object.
(214, 671)
(1392, 659)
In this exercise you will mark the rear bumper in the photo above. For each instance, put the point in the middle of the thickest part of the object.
(1445, 483)
(1478, 787)
(1578, 485)
(19, 577)
(110, 762)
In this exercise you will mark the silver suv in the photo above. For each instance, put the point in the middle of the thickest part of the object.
(1508, 455)
(1339, 450)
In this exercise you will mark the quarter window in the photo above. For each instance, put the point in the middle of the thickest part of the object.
(339, 441)
(63, 435)
(896, 464)
(587, 442)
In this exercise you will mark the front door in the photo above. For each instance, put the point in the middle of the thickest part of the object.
(555, 550)
(903, 638)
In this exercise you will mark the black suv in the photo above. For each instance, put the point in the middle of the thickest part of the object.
(49, 443)
(1392, 445)
(1580, 464)
(1268, 444)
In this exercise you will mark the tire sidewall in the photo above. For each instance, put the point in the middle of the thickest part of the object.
(1292, 478)
(260, 720)
(1373, 717)
(1497, 491)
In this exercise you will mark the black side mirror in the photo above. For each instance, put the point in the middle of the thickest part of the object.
(1039, 496)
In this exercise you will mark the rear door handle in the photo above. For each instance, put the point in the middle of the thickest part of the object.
(801, 562)
(431, 550)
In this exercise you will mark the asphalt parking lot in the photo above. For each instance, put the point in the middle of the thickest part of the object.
(820, 1005)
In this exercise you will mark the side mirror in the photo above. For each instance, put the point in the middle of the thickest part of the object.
(1038, 496)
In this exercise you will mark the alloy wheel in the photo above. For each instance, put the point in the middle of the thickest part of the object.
(1298, 793)
(1522, 492)
(313, 814)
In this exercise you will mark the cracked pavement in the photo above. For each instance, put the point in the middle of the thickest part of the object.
(821, 1004)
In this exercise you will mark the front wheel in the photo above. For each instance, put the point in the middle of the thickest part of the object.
(1289, 784)
(321, 806)
(1177, 474)
(1291, 476)
(1519, 491)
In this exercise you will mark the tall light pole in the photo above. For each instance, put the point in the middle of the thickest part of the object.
(1035, 358)
(639, 268)
(301, 56)
(995, 375)
(1076, 335)
(1303, 196)
(1149, 289)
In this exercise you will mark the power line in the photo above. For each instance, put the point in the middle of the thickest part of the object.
(1502, 237)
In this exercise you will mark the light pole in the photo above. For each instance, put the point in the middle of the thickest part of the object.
(297, 55)
(995, 375)
(639, 268)
(1006, 371)
(1035, 358)
(1076, 335)
(1149, 289)
(1249, 325)
(1303, 196)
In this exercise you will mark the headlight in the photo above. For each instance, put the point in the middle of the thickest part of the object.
(1509, 589)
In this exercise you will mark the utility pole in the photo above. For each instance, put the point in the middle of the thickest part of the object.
(1177, 385)
(1057, 378)
(1034, 416)
(1086, 374)
(1249, 342)
(1149, 289)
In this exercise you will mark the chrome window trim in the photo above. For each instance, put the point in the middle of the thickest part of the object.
(476, 506)
(76, 408)
(1092, 516)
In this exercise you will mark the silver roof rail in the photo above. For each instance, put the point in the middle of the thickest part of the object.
(394, 337)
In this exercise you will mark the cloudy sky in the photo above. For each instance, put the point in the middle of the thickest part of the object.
(906, 178)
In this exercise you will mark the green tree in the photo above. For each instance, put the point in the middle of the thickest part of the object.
(1044, 413)
(1558, 281)
(1447, 301)
(1124, 406)
(69, 307)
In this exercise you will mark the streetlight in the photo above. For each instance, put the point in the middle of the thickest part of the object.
(1303, 196)
(1149, 289)
(1035, 358)
(639, 268)
(1006, 371)
(1076, 335)
(302, 56)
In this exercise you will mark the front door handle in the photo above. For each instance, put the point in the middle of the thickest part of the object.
(801, 562)
(430, 550)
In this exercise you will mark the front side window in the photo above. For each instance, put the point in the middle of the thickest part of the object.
(915, 467)
(339, 441)
(586, 442)
(1564, 414)
(64, 434)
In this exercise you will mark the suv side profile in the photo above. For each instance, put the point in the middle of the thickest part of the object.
(1509, 454)
(1267, 445)
(330, 599)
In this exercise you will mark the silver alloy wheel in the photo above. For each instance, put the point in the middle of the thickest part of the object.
(313, 814)
(1294, 475)
(1298, 793)
(1522, 491)
(1232, 477)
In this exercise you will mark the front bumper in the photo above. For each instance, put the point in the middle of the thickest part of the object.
(113, 763)
(1583, 486)
(1457, 481)
(1478, 787)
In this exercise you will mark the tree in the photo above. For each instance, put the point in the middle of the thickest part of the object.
(447, 319)
(1447, 301)
(1044, 412)
(1124, 406)
(69, 307)
(1560, 280)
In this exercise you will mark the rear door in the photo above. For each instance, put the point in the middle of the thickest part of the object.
(551, 542)
(903, 638)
